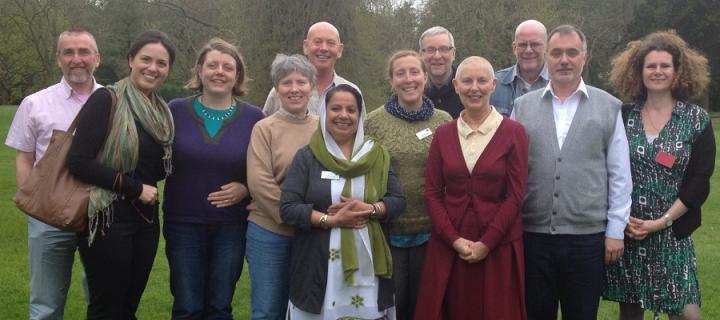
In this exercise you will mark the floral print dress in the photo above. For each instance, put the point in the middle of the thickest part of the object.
(660, 271)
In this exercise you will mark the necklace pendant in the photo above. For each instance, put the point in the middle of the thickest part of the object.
(216, 116)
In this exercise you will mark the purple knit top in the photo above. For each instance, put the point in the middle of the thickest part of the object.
(202, 164)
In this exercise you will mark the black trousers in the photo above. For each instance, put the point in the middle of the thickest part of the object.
(569, 269)
(407, 270)
(118, 263)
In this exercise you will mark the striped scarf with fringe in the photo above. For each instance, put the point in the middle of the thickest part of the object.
(121, 149)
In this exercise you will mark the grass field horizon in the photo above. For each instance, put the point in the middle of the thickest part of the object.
(157, 300)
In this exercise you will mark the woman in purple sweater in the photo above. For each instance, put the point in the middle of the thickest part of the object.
(206, 195)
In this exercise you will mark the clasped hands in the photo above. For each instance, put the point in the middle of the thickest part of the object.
(639, 229)
(469, 251)
(349, 213)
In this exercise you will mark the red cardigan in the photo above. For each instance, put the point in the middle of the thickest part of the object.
(498, 181)
(495, 189)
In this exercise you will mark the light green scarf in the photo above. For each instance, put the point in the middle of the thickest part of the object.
(120, 151)
(374, 165)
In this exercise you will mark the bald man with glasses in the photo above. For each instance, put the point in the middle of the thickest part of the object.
(528, 73)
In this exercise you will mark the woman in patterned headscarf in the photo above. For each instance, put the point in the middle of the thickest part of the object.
(338, 194)
(672, 154)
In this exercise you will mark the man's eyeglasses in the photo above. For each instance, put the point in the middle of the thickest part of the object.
(533, 45)
(432, 50)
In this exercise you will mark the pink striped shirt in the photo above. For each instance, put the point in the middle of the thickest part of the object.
(40, 113)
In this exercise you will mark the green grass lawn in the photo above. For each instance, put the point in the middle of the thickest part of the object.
(157, 301)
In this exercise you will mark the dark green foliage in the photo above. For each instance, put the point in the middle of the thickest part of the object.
(370, 29)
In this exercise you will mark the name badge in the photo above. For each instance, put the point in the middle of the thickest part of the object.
(424, 133)
(665, 159)
(329, 175)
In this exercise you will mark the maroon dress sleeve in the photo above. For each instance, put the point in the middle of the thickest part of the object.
(435, 190)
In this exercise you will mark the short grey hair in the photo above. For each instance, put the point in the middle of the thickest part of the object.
(568, 29)
(433, 31)
(283, 65)
(77, 31)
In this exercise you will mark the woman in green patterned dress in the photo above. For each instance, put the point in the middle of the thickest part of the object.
(672, 152)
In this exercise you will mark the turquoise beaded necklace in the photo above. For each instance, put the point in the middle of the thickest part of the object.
(217, 115)
(213, 119)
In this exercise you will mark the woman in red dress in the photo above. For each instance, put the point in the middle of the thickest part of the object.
(474, 187)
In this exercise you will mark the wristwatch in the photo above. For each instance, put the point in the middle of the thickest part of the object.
(374, 213)
(668, 220)
(324, 221)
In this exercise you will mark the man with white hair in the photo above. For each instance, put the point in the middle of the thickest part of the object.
(437, 47)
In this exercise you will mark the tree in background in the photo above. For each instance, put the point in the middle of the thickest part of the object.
(487, 28)
(370, 29)
(27, 54)
(696, 21)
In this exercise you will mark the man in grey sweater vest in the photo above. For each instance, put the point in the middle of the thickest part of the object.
(577, 200)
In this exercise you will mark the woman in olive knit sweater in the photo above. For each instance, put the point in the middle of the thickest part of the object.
(405, 125)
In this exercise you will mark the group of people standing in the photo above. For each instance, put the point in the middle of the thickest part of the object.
(469, 194)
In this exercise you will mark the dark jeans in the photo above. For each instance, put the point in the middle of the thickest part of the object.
(205, 264)
(118, 265)
(407, 268)
(568, 269)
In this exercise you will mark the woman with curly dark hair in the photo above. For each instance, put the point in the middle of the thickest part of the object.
(672, 152)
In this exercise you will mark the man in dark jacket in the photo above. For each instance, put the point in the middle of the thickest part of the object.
(437, 46)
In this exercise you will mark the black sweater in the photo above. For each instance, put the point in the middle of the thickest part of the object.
(89, 139)
(695, 186)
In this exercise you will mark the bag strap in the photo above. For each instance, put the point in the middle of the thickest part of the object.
(113, 108)
(74, 123)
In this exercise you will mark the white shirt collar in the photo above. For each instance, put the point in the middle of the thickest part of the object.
(581, 87)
